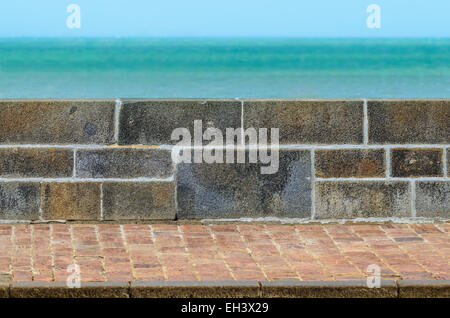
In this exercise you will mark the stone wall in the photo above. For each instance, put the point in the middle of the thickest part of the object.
(111, 160)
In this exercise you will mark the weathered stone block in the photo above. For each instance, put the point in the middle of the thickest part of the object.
(57, 122)
(4, 287)
(424, 288)
(221, 190)
(308, 121)
(70, 200)
(61, 290)
(362, 199)
(124, 163)
(349, 163)
(152, 122)
(416, 162)
(409, 121)
(19, 200)
(139, 200)
(36, 162)
(327, 289)
(433, 199)
(194, 289)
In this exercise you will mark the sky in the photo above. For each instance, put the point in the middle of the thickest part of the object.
(225, 18)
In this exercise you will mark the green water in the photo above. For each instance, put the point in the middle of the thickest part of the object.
(224, 68)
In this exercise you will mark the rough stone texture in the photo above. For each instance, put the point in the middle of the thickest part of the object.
(70, 200)
(57, 122)
(5, 279)
(308, 121)
(416, 162)
(60, 290)
(124, 163)
(139, 200)
(222, 190)
(152, 122)
(19, 200)
(349, 163)
(433, 199)
(424, 289)
(195, 289)
(330, 289)
(409, 121)
(36, 162)
(4, 290)
(348, 199)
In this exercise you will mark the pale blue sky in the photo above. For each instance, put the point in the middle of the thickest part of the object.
(223, 18)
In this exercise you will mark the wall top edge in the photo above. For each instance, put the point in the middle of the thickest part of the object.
(2, 100)
(212, 99)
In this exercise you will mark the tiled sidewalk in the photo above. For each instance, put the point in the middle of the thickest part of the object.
(110, 252)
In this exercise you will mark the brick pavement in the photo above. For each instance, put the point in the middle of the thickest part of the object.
(155, 252)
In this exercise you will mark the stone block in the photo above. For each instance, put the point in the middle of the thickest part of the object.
(362, 199)
(57, 122)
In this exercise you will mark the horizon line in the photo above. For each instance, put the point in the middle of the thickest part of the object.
(224, 37)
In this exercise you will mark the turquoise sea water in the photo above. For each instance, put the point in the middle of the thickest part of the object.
(224, 68)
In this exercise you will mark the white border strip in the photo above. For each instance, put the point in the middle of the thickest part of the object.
(325, 221)
(74, 170)
(116, 119)
(387, 159)
(444, 163)
(101, 202)
(413, 198)
(365, 123)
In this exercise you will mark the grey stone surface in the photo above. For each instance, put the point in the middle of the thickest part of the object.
(408, 239)
(71, 200)
(151, 122)
(222, 190)
(362, 199)
(433, 199)
(424, 288)
(338, 163)
(36, 162)
(60, 290)
(409, 121)
(330, 289)
(139, 201)
(416, 162)
(308, 121)
(195, 289)
(19, 200)
(57, 122)
(123, 163)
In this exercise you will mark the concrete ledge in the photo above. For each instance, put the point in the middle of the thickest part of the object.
(4, 285)
(424, 289)
(228, 289)
(195, 289)
(331, 289)
(60, 290)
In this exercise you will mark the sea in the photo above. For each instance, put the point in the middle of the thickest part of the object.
(224, 68)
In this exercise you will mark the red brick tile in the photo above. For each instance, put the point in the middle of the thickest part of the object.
(22, 276)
